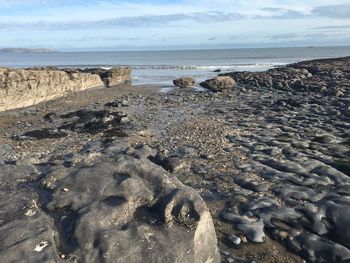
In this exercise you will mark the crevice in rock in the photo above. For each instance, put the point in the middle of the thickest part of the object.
(64, 219)
(121, 177)
(161, 161)
(114, 200)
(149, 215)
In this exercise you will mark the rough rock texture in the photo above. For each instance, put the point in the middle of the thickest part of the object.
(112, 77)
(110, 208)
(326, 76)
(21, 88)
(25, 87)
(272, 164)
(218, 83)
(184, 82)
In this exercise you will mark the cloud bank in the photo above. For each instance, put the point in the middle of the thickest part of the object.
(110, 23)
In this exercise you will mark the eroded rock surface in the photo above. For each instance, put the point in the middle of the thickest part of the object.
(113, 76)
(272, 165)
(25, 87)
(326, 76)
(104, 208)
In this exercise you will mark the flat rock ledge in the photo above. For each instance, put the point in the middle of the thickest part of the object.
(25, 87)
(109, 208)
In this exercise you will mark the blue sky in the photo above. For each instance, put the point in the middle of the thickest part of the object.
(172, 24)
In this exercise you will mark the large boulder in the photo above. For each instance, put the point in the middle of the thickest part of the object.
(111, 77)
(184, 82)
(219, 83)
(120, 210)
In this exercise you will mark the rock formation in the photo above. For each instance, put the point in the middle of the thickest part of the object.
(218, 83)
(184, 82)
(109, 208)
(25, 87)
(112, 77)
(326, 76)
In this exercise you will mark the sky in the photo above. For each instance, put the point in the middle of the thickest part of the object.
(74, 25)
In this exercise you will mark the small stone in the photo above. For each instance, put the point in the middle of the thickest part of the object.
(125, 103)
(235, 239)
(339, 93)
(125, 120)
(41, 246)
(283, 234)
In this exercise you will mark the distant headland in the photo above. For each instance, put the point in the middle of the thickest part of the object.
(27, 50)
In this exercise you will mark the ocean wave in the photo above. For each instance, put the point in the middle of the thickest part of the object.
(182, 67)
(205, 67)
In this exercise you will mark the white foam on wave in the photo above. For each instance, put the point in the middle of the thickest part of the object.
(210, 67)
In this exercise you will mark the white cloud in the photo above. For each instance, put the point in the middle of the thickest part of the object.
(97, 23)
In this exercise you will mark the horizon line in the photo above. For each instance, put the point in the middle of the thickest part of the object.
(111, 49)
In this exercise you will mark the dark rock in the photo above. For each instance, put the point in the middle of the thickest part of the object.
(254, 230)
(45, 133)
(184, 82)
(172, 164)
(49, 117)
(95, 121)
(128, 209)
(147, 205)
(318, 249)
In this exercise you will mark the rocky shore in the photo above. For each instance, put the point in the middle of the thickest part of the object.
(256, 170)
(25, 87)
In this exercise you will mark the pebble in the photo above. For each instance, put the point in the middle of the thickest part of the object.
(235, 240)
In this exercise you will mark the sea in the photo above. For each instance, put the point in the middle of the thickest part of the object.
(161, 67)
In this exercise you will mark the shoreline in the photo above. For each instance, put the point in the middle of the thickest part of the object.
(269, 157)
